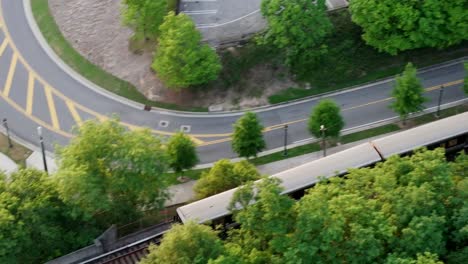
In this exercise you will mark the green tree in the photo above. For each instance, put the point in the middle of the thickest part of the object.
(223, 176)
(297, 26)
(111, 172)
(190, 243)
(181, 59)
(247, 139)
(394, 26)
(265, 224)
(326, 113)
(36, 225)
(182, 153)
(144, 16)
(408, 93)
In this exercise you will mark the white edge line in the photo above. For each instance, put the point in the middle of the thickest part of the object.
(229, 22)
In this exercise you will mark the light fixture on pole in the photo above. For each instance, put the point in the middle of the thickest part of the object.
(41, 140)
(322, 129)
(5, 125)
(285, 151)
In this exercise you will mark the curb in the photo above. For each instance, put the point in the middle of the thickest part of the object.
(83, 81)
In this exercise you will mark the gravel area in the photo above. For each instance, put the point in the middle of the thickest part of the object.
(94, 29)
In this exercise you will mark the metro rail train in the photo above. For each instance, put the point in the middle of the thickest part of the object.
(450, 133)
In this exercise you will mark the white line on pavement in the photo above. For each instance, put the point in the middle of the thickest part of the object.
(196, 1)
(229, 22)
(200, 12)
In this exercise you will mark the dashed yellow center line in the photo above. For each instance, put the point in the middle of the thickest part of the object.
(52, 109)
(30, 95)
(3, 46)
(74, 113)
(11, 72)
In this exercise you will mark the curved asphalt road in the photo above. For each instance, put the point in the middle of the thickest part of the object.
(35, 91)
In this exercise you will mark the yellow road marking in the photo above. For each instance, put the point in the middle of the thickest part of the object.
(74, 113)
(30, 96)
(196, 140)
(35, 119)
(102, 117)
(3, 46)
(52, 109)
(11, 72)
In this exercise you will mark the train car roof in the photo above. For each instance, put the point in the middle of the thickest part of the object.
(293, 179)
(422, 135)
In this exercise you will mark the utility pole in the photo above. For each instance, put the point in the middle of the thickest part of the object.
(322, 129)
(5, 125)
(441, 93)
(285, 151)
(41, 140)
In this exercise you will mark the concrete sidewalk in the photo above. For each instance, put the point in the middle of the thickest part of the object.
(7, 165)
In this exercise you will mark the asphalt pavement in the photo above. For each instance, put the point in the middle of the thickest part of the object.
(36, 91)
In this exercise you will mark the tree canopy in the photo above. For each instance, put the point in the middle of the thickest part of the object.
(223, 176)
(406, 210)
(190, 243)
(112, 172)
(182, 153)
(394, 26)
(297, 26)
(326, 113)
(408, 93)
(181, 59)
(144, 16)
(247, 139)
(36, 225)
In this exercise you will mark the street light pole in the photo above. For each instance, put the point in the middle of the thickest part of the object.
(41, 140)
(441, 93)
(5, 125)
(285, 151)
(322, 129)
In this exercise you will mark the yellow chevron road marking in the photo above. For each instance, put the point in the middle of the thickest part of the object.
(11, 72)
(30, 95)
(52, 109)
(74, 113)
(3, 46)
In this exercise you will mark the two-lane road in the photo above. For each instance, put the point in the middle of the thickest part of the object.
(35, 91)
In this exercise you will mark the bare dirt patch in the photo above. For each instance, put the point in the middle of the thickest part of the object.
(94, 29)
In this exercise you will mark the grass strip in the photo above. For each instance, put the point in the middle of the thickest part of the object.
(95, 74)
(17, 153)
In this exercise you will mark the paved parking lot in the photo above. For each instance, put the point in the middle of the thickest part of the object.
(223, 21)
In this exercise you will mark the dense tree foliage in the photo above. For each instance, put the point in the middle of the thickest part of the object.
(247, 139)
(297, 26)
(112, 172)
(406, 210)
(326, 113)
(186, 244)
(223, 176)
(408, 93)
(403, 207)
(144, 16)
(35, 223)
(181, 60)
(394, 26)
(182, 153)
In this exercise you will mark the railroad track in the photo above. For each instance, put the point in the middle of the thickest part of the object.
(130, 254)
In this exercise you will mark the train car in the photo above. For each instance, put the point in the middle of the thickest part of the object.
(451, 133)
